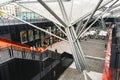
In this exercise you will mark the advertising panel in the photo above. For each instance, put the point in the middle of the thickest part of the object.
(23, 36)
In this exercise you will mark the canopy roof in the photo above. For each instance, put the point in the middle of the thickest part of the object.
(75, 9)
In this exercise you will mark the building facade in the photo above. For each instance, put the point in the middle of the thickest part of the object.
(26, 34)
(10, 9)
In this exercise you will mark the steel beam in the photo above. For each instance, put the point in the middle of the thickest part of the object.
(70, 37)
(70, 16)
(96, 8)
(60, 29)
(30, 9)
(65, 17)
(116, 11)
(90, 25)
(113, 3)
(40, 15)
(33, 25)
(97, 19)
(91, 12)
(111, 8)
(75, 46)
(79, 26)
(85, 75)
(115, 6)
(74, 52)
(52, 13)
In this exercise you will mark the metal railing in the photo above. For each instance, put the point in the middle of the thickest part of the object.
(24, 53)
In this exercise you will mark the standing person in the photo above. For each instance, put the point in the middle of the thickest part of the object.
(23, 53)
(105, 46)
(10, 50)
(39, 54)
(33, 50)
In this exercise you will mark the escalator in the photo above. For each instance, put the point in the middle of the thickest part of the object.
(5, 42)
(28, 69)
(18, 64)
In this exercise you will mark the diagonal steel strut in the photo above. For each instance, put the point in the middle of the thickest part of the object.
(78, 54)
(71, 34)
(33, 25)
(96, 8)
(108, 8)
(59, 27)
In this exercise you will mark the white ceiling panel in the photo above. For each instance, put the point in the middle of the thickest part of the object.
(79, 9)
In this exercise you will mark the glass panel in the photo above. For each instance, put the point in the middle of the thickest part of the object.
(37, 34)
(30, 34)
(23, 36)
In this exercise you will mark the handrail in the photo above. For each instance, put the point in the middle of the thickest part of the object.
(18, 46)
(108, 72)
(15, 44)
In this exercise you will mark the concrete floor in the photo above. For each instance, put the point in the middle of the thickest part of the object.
(90, 47)
(71, 74)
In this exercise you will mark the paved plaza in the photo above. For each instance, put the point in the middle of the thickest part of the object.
(90, 47)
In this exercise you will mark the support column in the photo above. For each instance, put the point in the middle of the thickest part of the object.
(76, 49)
(71, 34)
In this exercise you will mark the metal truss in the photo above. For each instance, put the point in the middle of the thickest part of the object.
(59, 27)
(79, 27)
(90, 17)
(72, 34)
(33, 25)
(88, 14)
(75, 46)
(101, 14)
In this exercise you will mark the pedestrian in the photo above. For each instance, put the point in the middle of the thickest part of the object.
(105, 46)
(23, 53)
(33, 51)
(10, 50)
